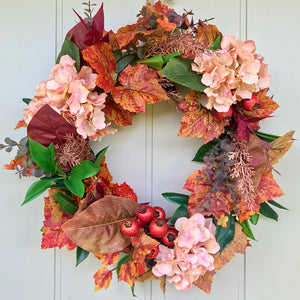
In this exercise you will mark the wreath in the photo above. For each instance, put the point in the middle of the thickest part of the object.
(101, 80)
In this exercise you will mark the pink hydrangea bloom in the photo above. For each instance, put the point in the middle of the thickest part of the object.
(71, 93)
(192, 253)
(231, 74)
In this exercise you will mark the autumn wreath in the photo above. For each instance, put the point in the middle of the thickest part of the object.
(102, 79)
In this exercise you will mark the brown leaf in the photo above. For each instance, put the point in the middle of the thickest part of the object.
(163, 284)
(97, 228)
(204, 282)
(147, 276)
(207, 33)
(280, 146)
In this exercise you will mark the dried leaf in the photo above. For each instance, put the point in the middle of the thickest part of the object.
(108, 259)
(279, 147)
(102, 278)
(200, 123)
(207, 34)
(124, 190)
(101, 58)
(163, 284)
(146, 276)
(204, 282)
(97, 228)
(140, 86)
(238, 245)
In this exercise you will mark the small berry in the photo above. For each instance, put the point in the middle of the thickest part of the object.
(169, 238)
(159, 212)
(153, 253)
(158, 227)
(222, 115)
(248, 104)
(145, 214)
(130, 227)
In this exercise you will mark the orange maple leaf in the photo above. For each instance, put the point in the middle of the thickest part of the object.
(114, 112)
(20, 124)
(140, 86)
(101, 58)
(164, 23)
(102, 278)
(265, 106)
(108, 259)
(124, 190)
(207, 33)
(200, 123)
(128, 273)
(204, 282)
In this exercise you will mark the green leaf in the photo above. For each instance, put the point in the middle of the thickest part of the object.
(26, 100)
(247, 230)
(203, 150)
(216, 44)
(277, 204)
(36, 189)
(117, 55)
(66, 203)
(100, 156)
(124, 260)
(267, 211)
(267, 137)
(254, 219)
(224, 236)
(84, 170)
(169, 56)
(179, 70)
(155, 62)
(69, 48)
(42, 156)
(132, 291)
(81, 255)
(75, 185)
(181, 211)
(177, 198)
(125, 61)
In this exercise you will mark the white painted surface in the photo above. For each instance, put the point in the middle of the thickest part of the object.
(149, 155)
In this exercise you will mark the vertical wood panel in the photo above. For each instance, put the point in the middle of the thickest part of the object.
(27, 52)
(273, 264)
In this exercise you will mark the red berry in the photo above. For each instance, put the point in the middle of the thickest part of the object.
(169, 238)
(158, 227)
(222, 115)
(153, 253)
(159, 212)
(248, 104)
(145, 214)
(130, 227)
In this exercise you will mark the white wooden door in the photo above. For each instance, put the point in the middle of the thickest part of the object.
(149, 155)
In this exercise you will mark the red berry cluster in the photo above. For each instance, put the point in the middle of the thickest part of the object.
(152, 219)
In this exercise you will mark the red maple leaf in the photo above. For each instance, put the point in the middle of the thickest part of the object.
(108, 259)
(124, 190)
(140, 86)
(102, 278)
(128, 273)
(101, 58)
(20, 124)
(198, 122)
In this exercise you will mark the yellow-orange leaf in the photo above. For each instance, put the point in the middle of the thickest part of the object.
(207, 33)
(238, 245)
(280, 146)
(204, 282)
(108, 259)
(147, 276)
(102, 278)
(140, 86)
(128, 273)
(20, 124)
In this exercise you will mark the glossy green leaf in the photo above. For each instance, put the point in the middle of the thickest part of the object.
(179, 70)
(254, 219)
(203, 150)
(277, 204)
(26, 100)
(99, 156)
(122, 63)
(267, 211)
(177, 198)
(84, 170)
(117, 55)
(181, 211)
(132, 291)
(42, 156)
(224, 236)
(66, 203)
(124, 260)
(155, 62)
(81, 255)
(267, 137)
(36, 189)
(69, 48)
(169, 56)
(75, 185)
(247, 230)
(216, 44)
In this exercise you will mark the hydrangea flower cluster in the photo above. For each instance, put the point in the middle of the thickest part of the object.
(192, 253)
(70, 94)
(232, 73)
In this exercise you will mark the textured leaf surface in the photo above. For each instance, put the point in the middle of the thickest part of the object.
(207, 34)
(204, 282)
(102, 278)
(101, 58)
(97, 228)
(140, 86)
(128, 273)
(108, 259)
(124, 190)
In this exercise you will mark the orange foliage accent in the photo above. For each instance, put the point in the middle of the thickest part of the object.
(101, 58)
(102, 278)
(204, 282)
(140, 86)
(20, 124)
(108, 259)
(207, 33)
(199, 123)
(164, 23)
(128, 273)
(124, 190)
